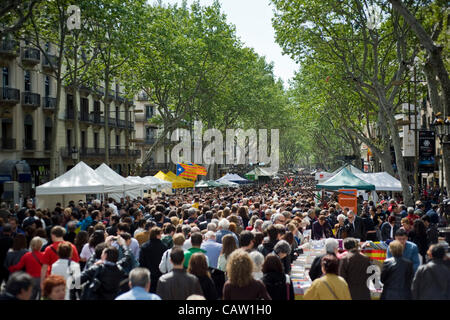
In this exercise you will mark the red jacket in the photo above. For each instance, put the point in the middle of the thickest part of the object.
(32, 263)
(50, 255)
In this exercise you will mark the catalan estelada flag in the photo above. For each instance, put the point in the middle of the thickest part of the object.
(190, 171)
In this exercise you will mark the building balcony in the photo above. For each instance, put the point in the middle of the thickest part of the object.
(84, 90)
(142, 97)
(7, 144)
(112, 122)
(84, 117)
(50, 62)
(70, 114)
(9, 96)
(48, 104)
(29, 145)
(31, 100)
(130, 125)
(30, 56)
(8, 49)
(98, 91)
(120, 98)
(66, 153)
(150, 141)
(97, 119)
(122, 124)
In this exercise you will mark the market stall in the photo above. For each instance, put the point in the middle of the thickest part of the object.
(130, 189)
(74, 185)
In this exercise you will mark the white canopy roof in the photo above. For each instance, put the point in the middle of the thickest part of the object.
(162, 184)
(228, 183)
(151, 182)
(231, 177)
(81, 179)
(382, 181)
(131, 189)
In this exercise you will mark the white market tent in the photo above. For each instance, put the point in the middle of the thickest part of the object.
(151, 183)
(74, 185)
(232, 177)
(159, 183)
(130, 189)
(383, 181)
(228, 183)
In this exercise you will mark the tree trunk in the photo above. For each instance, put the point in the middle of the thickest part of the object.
(407, 197)
(55, 170)
(76, 102)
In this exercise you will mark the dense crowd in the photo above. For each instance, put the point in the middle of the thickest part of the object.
(219, 244)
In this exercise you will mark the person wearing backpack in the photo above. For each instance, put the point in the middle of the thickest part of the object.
(50, 255)
(68, 269)
(103, 279)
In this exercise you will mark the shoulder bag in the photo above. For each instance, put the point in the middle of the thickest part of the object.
(331, 290)
(90, 289)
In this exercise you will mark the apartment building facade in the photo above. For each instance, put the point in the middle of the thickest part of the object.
(27, 107)
(146, 134)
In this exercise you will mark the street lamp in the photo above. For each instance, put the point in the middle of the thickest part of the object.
(441, 127)
(74, 153)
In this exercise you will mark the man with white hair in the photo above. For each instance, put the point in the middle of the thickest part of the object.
(257, 226)
(224, 224)
(331, 247)
(258, 261)
(211, 227)
(212, 248)
(279, 218)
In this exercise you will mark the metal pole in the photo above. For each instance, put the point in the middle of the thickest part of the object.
(416, 142)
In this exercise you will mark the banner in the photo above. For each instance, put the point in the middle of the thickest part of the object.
(427, 148)
(348, 198)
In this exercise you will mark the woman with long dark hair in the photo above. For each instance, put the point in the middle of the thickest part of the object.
(228, 246)
(418, 235)
(199, 268)
(89, 248)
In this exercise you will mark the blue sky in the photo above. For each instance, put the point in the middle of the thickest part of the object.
(252, 19)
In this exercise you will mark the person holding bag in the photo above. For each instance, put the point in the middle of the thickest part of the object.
(330, 286)
(68, 269)
(31, 261)
(105, 276)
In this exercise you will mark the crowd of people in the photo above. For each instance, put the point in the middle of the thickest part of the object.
(215, 244)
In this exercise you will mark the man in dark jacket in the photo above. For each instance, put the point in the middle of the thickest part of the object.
(331, 247)
(396, 274)
(432, 280)
(18, 287)
(353, 268)
(432, 230)
(109, 271)
(321, 229)
(267, 246)
(355, 226)
(6, 242)
(178, 284)
(388, 229)
(151, 255)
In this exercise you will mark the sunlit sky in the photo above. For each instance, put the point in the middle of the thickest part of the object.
(252, 19)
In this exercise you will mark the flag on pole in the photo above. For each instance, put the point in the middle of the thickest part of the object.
(190, 171)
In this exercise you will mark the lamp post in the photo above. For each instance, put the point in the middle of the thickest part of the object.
(441, 127)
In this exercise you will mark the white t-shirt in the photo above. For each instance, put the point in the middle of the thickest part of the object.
(87, 252)
(71, 272)
(187, 244)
